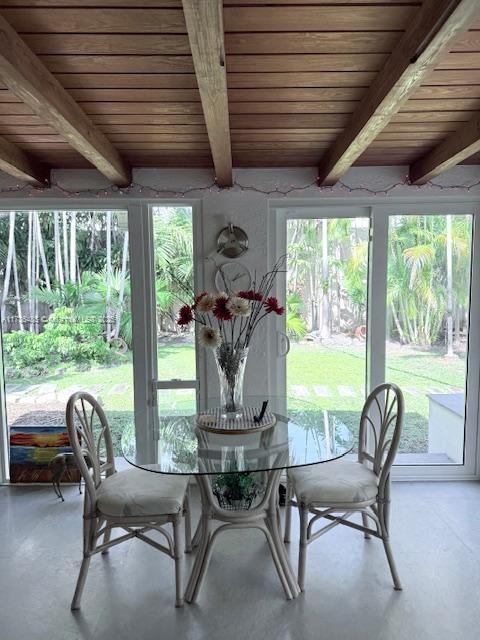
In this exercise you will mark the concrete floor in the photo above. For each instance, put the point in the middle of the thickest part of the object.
(129, 593)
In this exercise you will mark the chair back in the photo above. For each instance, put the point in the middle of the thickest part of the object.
(91, 441)
(380, 429)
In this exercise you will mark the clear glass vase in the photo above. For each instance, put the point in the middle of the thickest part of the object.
(231, 369)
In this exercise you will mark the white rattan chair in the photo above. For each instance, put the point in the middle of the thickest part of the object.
(336, 490)
(135, 501)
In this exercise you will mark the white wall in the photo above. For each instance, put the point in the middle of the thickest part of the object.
(246, 205)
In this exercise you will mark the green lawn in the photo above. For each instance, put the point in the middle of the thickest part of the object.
(328, 377)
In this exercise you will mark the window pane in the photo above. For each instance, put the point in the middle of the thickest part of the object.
(326, 313)
(66, 320)
(174, 284)
(429, 263)
(176, 402)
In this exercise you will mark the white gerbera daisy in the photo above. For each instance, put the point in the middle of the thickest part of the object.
(206, 303)
(239, 306)
(209, 337)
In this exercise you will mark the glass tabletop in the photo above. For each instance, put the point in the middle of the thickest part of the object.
(303, 434)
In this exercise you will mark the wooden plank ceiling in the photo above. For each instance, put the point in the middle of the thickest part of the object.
(296, 72)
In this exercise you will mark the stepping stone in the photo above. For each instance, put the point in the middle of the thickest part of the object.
(346, 391)
(71, 389)
(412, 392)
(46, 387)
(46, 398)
(64, 394)
(13, 394)
(119, 389)
(11, 388)
(300, 390)
(15, 397)
(31, 389)
(322, 392)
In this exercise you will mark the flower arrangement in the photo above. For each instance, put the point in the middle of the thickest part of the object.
(227, 322)
(231, 318)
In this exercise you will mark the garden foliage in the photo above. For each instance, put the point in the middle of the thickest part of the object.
(66, 338)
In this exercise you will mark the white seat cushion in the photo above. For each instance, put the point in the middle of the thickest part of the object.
(339, 482)
(136, 492)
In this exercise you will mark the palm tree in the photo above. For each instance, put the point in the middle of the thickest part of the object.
(428, 276)
(174, 272)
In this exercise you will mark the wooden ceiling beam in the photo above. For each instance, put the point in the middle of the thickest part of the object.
(429, 35)
(458, 146)
(204, 22)
(17, 163)
(26, 76)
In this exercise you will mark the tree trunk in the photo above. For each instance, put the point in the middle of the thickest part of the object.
(73, 247)
(325, 288)
(457, 337)
(109, 274)
(41, 251)
(17, 290)
(94, 231)
(8, 266)
(449, 288)
(36, 277)
(121, 291)
(58, 250)
(30, 271)
(313, 306)
(65, 245)
(396, 320)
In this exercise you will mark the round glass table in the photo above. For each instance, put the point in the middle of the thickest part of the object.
(238, 474)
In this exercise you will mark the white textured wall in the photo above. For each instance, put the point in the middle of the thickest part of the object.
(247, 208)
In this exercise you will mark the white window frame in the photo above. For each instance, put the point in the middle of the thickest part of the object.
(142, 301)
(379, 211)
(142, 260)
(470, 469)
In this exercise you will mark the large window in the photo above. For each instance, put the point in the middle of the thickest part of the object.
(71, 302)
(416, 322)
(66, 317)
(173, 265)
(326, 321)
(428, 306)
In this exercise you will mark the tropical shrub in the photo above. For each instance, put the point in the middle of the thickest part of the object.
(66, 337)
(296, 325)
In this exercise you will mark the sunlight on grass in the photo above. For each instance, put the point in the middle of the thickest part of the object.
(328, 375)
(329, 378)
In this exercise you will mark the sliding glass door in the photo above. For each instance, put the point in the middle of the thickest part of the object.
(428, 311)
(174, 279)
(326, 319)
(167, 269)
(89, 300)
(385, 294)
(66, 326)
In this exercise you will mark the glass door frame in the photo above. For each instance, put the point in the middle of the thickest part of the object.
(142, 261)
(379, 212)
(470, 468)
(44, 204)
(141, 253)
(278, 342)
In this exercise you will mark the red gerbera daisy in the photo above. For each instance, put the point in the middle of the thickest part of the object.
(271, 305)
(185, 315)
(220, 310)
(250, 295)
(198, 298)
